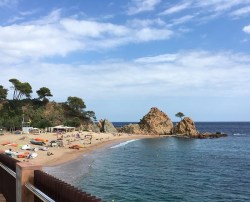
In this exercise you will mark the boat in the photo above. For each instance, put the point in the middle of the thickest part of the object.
(37, 142)
(11, 153)
(23, 155)
(10, 144)
(41, 139)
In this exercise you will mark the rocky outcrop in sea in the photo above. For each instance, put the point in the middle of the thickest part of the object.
(155, 122)
(186, 128)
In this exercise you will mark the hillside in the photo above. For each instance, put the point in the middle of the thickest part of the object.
(42, 114)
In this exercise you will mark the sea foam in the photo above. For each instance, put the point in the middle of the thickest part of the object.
(123, 144)
(239, 134)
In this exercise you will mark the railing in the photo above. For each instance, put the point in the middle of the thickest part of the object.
(59, 190)
(8, 177)
(16, 180)
(38, 193)
(9, 162)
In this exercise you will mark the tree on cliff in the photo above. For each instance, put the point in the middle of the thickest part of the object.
(20, 89)
(3, 93)
(179, 115)
(78, 106)
(43, 93)
(90, 115)
(76, 103)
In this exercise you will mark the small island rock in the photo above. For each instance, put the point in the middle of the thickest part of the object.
(106, 126)
(185, 127)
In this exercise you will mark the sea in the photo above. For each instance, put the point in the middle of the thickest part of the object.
(167, 169)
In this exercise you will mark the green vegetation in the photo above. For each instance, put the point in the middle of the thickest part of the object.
(40, 112)
(179, 115)
(43, 93)
(3, 93)
(20, 89)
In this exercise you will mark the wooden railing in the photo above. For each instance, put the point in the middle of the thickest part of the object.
(8, 177)
(59, 190)
(25, 182)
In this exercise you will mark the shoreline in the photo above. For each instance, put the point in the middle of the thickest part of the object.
(62, 155)
(69, 157)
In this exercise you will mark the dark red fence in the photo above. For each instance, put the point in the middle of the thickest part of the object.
(59, 190)
(7, 181)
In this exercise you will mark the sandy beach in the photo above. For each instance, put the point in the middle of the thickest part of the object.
(62, 154)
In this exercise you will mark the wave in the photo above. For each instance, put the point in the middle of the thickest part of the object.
(239, 134)
(123, 144)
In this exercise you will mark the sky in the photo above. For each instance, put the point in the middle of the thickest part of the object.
(123, 57)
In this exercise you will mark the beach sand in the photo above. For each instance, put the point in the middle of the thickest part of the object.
(64, 154)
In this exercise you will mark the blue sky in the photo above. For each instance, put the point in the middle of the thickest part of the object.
(124, 57)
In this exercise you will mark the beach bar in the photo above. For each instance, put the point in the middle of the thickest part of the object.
(61, 128)
(26, 182)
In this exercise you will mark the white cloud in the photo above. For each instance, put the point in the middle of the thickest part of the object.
(146, 23)
(52, 18)
(138, 6)
(175, 9)
(241, 12)
(8, 3)
(52, 35)
(188, 73)
(148, 34)
(181, 20)
(221, 5)
(35, 41)
(159, 58)
(209, 10)
(247, 29)
(85, 28)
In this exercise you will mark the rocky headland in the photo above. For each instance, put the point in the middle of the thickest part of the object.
(156, 122)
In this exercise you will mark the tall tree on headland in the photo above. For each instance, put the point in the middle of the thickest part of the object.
(20, 89)
(43, 93)
(25, 90)
(76, 103)
(179, 115)
(16, 85)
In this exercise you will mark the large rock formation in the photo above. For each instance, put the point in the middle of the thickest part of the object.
(106, 126)
(155, 122)
(185, 127)
(131, 129)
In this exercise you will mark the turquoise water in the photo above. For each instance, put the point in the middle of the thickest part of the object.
(168, 169)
